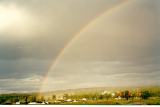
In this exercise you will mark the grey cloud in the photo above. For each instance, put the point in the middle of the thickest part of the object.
(119, 47)
(50, 23)
(23, 68)
(29, 47)
(125, 43)
(29, 83)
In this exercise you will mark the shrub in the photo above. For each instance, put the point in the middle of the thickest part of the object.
(145, 94)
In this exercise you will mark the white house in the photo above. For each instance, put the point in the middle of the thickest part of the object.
(84, 99)
(68, 100)
(106, 92)
(18, 102)
(75, 101)
(32, 103)
(113, 94)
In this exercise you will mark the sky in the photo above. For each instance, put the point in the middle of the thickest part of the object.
(61, 44)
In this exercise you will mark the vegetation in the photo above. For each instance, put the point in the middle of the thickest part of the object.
(131, 96)
(145, 94)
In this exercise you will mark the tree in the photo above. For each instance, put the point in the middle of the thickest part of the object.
(145, 94)
(100, 97)
(53, 97)
(16, 98)
(133, 95)
(107, 96)
(26, 100)
(31, 98)
(127, 94)
(65, 96)
(34, 98)
(39, 99)
(122, 94)
(42, 98)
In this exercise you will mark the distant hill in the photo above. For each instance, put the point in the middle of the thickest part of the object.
(98, 90)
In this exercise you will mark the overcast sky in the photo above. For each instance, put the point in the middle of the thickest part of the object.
(117, 44)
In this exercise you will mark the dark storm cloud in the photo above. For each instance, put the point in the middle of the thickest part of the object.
(48, 26)
(23, 68)
(29, 45)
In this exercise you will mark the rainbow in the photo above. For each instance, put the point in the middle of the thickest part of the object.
(77, 34)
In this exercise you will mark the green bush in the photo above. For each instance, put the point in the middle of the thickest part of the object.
(145, 94)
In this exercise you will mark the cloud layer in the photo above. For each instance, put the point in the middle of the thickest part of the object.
(119, 47)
